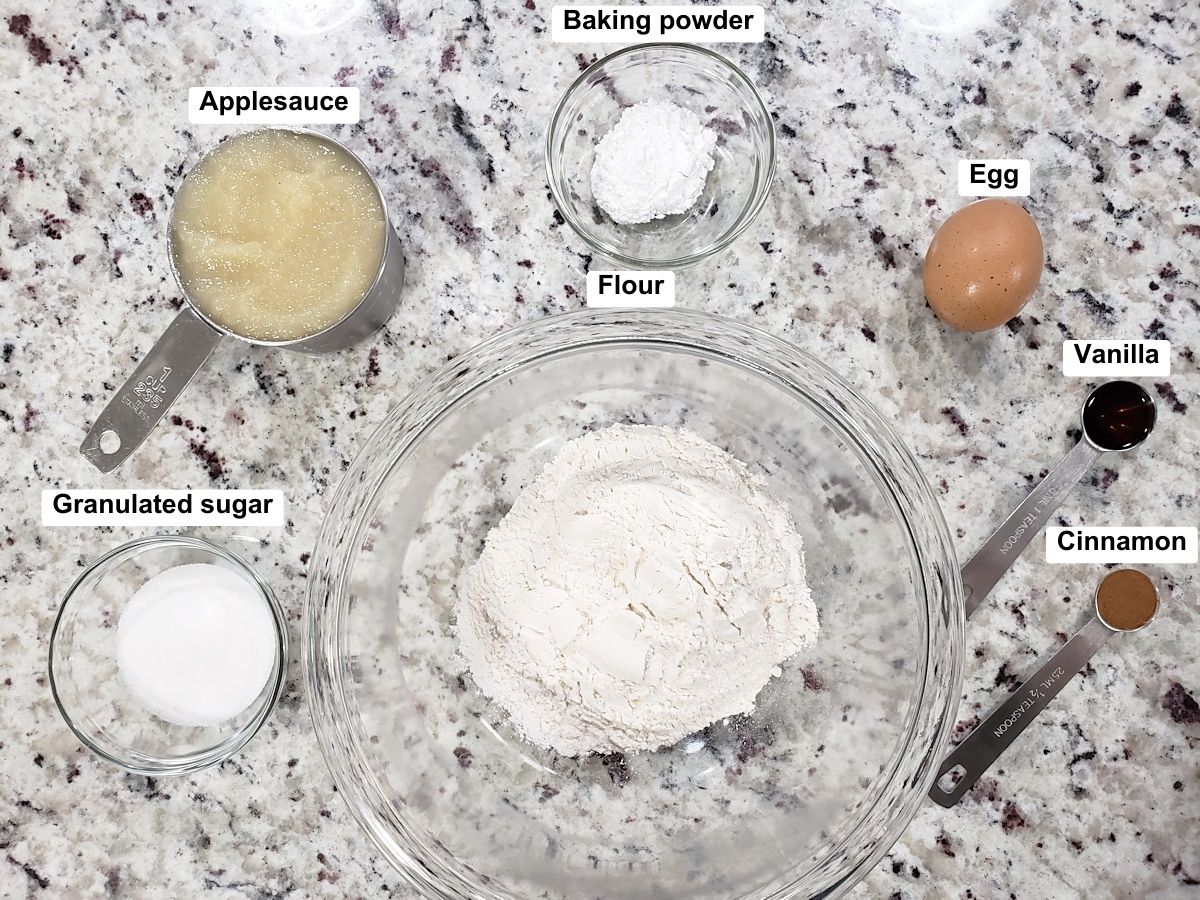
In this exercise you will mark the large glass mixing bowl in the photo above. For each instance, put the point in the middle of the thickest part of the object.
(798, 799)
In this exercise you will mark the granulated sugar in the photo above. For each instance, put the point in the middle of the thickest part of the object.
(642, 587)
(196, 644)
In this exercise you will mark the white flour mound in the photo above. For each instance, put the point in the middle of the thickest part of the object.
(653, 163)
(642, 587)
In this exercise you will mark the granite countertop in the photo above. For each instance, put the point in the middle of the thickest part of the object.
(1101, 796)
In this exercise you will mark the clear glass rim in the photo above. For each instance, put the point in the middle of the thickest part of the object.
(901, 789)
(189, 763)
(602, 248)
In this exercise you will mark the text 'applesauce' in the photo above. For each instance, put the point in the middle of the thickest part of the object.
(277, 234)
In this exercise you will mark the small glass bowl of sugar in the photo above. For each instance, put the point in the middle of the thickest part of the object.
(167, 655)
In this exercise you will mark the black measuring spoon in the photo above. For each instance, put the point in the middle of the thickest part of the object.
(1117, 416)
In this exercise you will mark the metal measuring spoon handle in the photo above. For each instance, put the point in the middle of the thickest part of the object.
(993, 559)
(148, 393)
(983, 746)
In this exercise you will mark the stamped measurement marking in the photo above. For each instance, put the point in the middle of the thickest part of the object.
(147, 394)
(151, 389)
(1050, 501)
(1033, 695)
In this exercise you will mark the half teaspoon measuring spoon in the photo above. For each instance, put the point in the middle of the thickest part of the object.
(1117, 416)
(1126, 601)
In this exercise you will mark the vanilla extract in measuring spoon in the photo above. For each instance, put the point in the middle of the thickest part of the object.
(1117, 416)
(1126, 601)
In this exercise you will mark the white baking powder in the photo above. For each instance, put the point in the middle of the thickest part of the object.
(643, 586)
(653, 163)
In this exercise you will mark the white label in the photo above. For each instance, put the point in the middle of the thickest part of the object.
(162, 508)
(993, 177)
(630, 289)
(215, 105)
(1121, 545)
(643, 24)
(1107, 359)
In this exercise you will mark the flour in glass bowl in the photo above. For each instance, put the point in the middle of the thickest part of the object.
(642, 587)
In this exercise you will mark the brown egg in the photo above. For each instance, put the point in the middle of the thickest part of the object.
(983, 264)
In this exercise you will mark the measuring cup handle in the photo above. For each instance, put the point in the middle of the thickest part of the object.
(993, 735)
(147, 394)
(1007, 542)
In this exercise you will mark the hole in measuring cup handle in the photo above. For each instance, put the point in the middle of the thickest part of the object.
(141, 402)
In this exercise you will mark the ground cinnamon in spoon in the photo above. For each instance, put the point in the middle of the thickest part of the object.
(1126, 600)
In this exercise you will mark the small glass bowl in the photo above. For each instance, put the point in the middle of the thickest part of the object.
(89, 690)
(697, 79)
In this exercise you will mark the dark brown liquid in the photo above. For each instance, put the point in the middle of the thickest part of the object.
(1118, 415)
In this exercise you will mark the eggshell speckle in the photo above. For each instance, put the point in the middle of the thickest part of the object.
(983, 264)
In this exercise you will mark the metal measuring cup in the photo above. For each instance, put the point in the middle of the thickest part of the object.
(190, 339)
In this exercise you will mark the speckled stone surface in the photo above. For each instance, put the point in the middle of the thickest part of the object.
(1101, 797)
